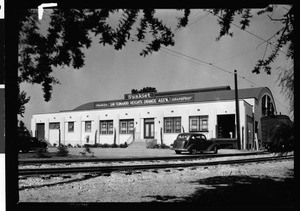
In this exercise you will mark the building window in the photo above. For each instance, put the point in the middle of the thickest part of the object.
(267, 107)
(198, 123)
(54, 125)
(172, 124)
(70, 126)
(106, 127)
(88, 126)
(126, 126)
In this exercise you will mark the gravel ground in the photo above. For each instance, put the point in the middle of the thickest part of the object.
(266, 184)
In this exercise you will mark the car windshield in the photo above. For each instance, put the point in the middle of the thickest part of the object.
(183, 136)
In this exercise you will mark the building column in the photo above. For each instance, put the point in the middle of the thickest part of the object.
(96, 130)
(185, 122)
(142, 128)
(47, 130)
(116, 123)
(79, 123)
(33, 127)
(62, 130)
(137, 125)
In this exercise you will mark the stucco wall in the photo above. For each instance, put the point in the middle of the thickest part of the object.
(138, 114)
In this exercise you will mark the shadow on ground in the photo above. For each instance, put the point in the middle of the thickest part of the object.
(240, 191)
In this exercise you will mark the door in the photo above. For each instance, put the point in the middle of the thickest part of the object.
(40, 131)
(149, 128)
(226, 126)
(250, 137)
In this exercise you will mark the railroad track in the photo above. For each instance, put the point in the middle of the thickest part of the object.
(108, 169)
(131, 159)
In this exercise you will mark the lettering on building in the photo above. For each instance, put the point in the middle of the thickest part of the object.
(139, 96)
(143, 102)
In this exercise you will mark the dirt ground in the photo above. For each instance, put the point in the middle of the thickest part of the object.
(269, 184)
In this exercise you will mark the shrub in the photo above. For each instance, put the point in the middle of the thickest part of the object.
(282, 138)
(62, 151)
(105, 145)
(97, 145)
(161, 146)
(42, 153)
(70, 145)
(164, 146)
(123, 145)
(114, 145)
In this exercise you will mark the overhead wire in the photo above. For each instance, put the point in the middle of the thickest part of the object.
(215, 66)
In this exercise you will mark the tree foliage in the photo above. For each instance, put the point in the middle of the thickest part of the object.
(71, 30)
(144, 90)
(283, 38)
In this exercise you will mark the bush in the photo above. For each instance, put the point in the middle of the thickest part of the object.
(123, 145)
(42, 153)
(105, 145)
(114, 145)
(161, 146)
(97, 145)
(62, 151)
(282, 138)
(70, 145)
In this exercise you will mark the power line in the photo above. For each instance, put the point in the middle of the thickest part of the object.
(191, 23)
(210, 65)
(267, 41)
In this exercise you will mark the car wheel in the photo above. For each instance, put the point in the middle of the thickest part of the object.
(193, 151)
(216, 149)
(177, 152)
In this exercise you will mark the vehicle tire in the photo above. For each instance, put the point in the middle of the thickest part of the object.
(193, 151)
(177, 152)
(215, 149)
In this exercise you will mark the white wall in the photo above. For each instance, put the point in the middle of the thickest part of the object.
(212, 109)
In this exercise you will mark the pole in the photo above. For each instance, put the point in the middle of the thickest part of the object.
(237, 110)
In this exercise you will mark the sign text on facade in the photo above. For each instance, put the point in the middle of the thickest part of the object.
(141, 102)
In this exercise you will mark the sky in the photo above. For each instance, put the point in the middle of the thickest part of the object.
(108, 74)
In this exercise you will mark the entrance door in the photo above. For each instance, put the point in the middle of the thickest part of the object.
(226, 126)
(149, 128)
(250, 137)
(40, 131)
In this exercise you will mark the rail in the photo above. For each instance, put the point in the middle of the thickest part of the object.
(106, 169)
(175, 157)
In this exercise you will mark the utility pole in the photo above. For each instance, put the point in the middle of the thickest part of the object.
(237, 110)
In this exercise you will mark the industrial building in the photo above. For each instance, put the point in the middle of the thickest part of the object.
(160, 116)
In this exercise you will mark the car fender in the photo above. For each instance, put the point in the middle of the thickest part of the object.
(191, 147)
(212, 146)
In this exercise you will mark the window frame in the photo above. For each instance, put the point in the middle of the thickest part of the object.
(108, 127)
(73, 127)
(126, 126)
(199, 126)
(172, 124)
(86, 128)
(54, 125)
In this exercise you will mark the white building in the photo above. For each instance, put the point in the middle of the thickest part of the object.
(159, 116)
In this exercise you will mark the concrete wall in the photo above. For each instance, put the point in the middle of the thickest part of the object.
(138, 114)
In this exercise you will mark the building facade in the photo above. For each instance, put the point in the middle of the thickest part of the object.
(159, 116)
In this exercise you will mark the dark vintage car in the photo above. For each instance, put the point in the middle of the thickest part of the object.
(28, 143)
(194, 142)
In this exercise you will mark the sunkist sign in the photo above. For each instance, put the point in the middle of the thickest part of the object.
(142, 99)
(139, 96)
